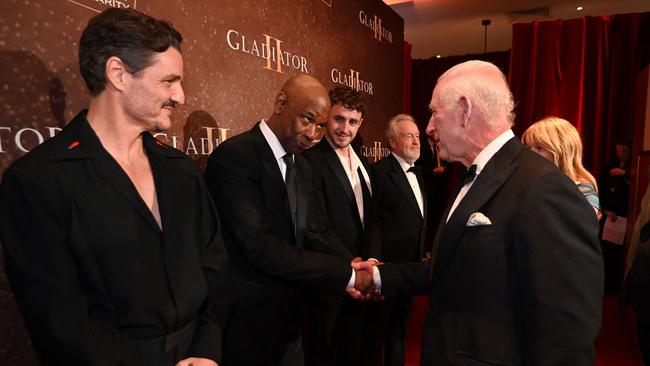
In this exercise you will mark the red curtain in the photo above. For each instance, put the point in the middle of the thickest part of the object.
(583, 70)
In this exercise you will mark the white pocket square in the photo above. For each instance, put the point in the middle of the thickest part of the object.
(478, 219)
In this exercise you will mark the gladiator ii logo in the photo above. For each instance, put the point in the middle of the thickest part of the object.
(375, 24)
(271, 49)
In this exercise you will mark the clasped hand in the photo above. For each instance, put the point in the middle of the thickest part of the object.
(364, 286)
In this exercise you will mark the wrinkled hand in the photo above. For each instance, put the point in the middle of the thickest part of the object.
(194, 361)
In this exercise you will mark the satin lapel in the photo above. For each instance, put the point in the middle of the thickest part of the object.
(302, 181)
(367, 203)
(494, 175)
(269, 162)
(334, 163)
(275, 178)
(425, 207)
(399, 177)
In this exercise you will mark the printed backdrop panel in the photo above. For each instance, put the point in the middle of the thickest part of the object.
(237, 55)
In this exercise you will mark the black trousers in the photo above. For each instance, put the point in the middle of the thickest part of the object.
(396, 316)
(337, 332)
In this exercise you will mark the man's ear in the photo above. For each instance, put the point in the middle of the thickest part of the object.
(116, 73)
(465, 110)
(280, 103)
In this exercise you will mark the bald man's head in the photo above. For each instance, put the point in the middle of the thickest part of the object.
(300, 113)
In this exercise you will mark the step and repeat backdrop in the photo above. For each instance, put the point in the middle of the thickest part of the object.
(237, 55)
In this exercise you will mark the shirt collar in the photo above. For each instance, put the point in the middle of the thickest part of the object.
(272, 140)
(354, 158)
(405, 166)
(492, 148)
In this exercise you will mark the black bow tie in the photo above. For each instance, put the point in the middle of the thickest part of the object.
(414, 169)
(468, 174)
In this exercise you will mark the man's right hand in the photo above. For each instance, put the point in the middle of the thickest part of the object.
(364, 287)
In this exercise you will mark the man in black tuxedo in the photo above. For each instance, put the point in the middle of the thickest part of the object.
(342, 177)
(271, 215)
(401, 205)
(112, 243)
(516, 275)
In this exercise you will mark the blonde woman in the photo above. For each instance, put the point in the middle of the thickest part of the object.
(558, 141)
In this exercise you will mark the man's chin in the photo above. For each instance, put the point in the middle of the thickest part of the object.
(341, 143)
(161, 126)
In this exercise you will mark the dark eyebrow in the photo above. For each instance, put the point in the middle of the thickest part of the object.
(172, 77)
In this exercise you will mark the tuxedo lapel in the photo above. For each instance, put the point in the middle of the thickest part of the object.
(418, 175)
(333, 162)
(367, 192)
(269, 162)
(399, 178)
(302, 181)
(495, 173)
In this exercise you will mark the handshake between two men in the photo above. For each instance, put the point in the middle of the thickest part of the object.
(367, 281)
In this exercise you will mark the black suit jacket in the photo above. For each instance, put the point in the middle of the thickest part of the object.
(636, 287)
(331, 181)
(525, 290)
(399, 219)
(90, 267)
(268, 261)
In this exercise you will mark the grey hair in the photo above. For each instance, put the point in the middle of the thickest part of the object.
(391, 127)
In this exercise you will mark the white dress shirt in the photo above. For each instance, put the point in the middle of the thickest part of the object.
(413, 181)
(481, 159)
(351, 164)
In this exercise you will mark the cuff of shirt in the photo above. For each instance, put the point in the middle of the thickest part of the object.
(352, 279)
(376, 279)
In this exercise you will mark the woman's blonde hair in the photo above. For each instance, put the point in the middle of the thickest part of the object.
(561, 139)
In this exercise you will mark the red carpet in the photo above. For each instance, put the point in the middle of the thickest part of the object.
(615, 346)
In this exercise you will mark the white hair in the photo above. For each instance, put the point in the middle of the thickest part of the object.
(391, 128)
(484, 85)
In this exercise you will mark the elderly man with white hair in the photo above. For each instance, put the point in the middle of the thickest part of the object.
(516, 275)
